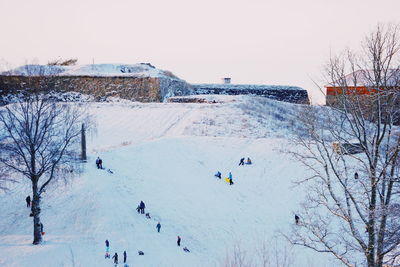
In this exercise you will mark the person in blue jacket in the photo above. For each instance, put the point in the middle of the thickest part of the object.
(230, 178)
(158, 226)
(218, 175)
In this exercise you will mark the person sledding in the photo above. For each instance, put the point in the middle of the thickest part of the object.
(218, 175)
(248, 162)
(186, 249)
(241, 161)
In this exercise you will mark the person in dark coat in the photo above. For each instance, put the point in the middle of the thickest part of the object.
(100, 163)
(107, 249)
(186, 249)
(230, 178)
(218, 175)
(158, 227)
(115, 257)
(142, 206)
(178, 242)
(28, 201)
(241, 161)
(41, 228)
(124, 256)
(296, 219)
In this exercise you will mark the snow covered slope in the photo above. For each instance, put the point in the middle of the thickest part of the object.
(166, 155)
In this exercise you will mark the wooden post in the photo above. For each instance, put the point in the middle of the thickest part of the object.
(83, 143)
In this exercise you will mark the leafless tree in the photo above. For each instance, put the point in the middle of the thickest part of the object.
(40, 141)
(351, 150)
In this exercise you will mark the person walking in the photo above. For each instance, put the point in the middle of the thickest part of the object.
(142, 206)
(178, 242)
(124, 256)
(28, 201)
(241, 161)
(230, 179)
(115, 257)
(158, 227)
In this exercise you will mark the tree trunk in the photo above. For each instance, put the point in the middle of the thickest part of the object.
(35, 208)
(83, 143)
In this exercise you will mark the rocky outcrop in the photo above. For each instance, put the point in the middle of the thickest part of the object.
(140, 88)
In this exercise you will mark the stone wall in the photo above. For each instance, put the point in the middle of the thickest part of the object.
(143, 89)
(281, 93)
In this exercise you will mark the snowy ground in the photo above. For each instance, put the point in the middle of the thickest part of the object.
(166, 155)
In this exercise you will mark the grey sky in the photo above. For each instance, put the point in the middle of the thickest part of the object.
(254, 41)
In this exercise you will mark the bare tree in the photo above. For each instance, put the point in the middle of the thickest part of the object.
(40, 141)
(352, 152)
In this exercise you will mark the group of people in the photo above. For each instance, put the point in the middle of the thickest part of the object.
(115, 257)
(140, 209)
(218, 175)
(248, 162)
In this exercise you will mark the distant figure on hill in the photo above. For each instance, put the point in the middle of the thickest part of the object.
(142, 206)
(248, 162)
(148, 215)
(138, 208)
(28, 201)
(115, 257)
(230, 178)
(41, 228)
(186, 249)
(296, 219)
(218, 175)
(100, 163)
(107, 249)
(125, 256)
(158, 227)
(241, 161)
(178, 242)
(356, 176)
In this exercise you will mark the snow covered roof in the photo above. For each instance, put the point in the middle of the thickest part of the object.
(246, 87)
(106, 70)
(367, 78)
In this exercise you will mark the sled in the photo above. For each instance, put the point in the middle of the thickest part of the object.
(227, 180)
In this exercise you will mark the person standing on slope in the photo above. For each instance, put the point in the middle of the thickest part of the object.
(142, 206)
(178, 242)
(230, 178)
(241, 161)
(115, 257)
(107, 249)
(124, 256)
(28, 201)
(158, 227)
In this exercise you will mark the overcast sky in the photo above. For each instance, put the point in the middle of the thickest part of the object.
(283, 42)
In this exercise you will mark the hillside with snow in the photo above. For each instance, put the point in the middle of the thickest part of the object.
(166, 154)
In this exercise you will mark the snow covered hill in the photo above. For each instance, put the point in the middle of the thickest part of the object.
(166, 154)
